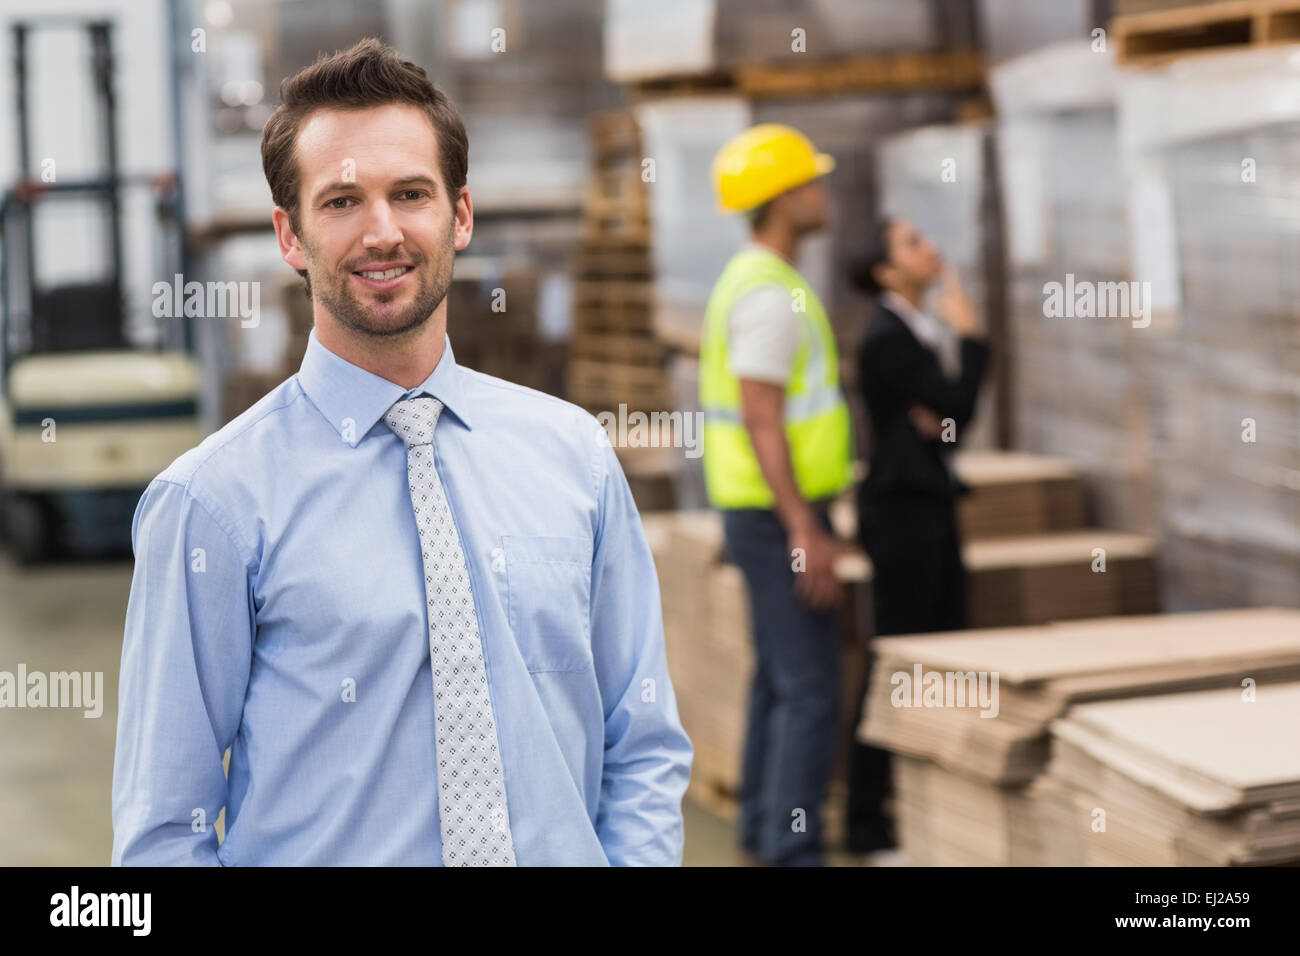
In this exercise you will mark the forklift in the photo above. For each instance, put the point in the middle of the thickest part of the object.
(87, 420)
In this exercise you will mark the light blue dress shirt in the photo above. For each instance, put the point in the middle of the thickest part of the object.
(278, 609)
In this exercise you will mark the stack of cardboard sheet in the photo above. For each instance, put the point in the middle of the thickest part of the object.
(1015, 493)
(676, 38)
(1034, 579)
(1011, 493)
(961, 795)
(1205, 778)
(710, 649)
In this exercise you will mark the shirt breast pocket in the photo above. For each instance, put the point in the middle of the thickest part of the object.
(548, 598)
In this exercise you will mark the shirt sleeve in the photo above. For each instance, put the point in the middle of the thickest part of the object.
(186, 656)
(647, 753)
(763, 335)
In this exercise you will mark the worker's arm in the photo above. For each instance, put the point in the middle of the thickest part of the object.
(763, 412)
(185, 665)
(648, 756)
(763, 343)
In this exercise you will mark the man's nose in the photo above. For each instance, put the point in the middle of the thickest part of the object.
(381, 227)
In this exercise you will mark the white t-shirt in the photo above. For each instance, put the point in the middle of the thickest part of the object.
(763, 334)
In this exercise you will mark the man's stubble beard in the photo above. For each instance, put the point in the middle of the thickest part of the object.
(336, 296)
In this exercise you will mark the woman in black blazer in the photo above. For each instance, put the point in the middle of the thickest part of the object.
(907, 519)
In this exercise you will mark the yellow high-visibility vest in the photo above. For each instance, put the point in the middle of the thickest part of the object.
(816, 416)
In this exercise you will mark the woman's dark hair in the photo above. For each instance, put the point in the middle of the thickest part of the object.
(874, 252)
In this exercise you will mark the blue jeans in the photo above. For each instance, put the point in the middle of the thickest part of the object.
(794, 697)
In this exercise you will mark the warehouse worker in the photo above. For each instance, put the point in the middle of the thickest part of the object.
(415, 601)
(777, 448)
(919, 412)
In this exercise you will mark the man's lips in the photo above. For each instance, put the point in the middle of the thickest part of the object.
(382, 283)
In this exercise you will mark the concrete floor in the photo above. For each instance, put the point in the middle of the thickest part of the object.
(56, 765)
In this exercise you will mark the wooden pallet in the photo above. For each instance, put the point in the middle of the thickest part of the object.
(616, 203)
(605, 218)
(686, 84)
(621, 347)
(1163, 35)
(884, 72)
(614, 133)
(606, 385)
(613, 306)
(615, 257)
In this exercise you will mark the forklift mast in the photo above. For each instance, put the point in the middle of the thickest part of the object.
(87, 314)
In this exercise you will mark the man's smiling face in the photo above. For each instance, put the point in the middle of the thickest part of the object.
(372, 200)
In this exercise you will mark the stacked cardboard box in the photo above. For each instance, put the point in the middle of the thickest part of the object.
(525, 77)
(984, 742)
(707, 621)
(710, 650)
(1029, 556)
(1186, 424)
(1080, 379)
(1034, 579)
(1216, 138)
(686, 37)
(1016, 493)
(1199, 779)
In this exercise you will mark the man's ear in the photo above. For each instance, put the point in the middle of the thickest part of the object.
(290, 248)
(464, 222)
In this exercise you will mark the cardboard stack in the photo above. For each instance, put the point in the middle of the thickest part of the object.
(962, 776)
(1202, 779)
(1029, 556)
(1227, 425)
(710, 650)
(1016, 493)
(1034, 579)
(1080, 380)
(687, 37)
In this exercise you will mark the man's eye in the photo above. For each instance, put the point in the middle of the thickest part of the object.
(414, 193)
(330, 204)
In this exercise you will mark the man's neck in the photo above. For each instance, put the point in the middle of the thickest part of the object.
(405, 360)
(780, 240)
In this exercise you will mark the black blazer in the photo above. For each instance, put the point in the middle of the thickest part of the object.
(896, 371)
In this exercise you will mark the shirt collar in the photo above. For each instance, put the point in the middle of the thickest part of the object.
(753, 245)
(923, 326)
(347, 394)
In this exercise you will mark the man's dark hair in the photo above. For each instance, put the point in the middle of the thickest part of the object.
(874, 253)
(369, 74)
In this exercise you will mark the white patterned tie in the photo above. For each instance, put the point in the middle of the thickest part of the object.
(472, 808)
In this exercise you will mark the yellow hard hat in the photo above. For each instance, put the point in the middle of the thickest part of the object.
(763, 162)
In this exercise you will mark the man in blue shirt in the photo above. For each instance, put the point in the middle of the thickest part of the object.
(284, 597)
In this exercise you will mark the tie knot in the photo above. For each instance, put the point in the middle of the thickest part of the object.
(413, 419)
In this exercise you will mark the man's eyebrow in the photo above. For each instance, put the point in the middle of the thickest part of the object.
(341, 186)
